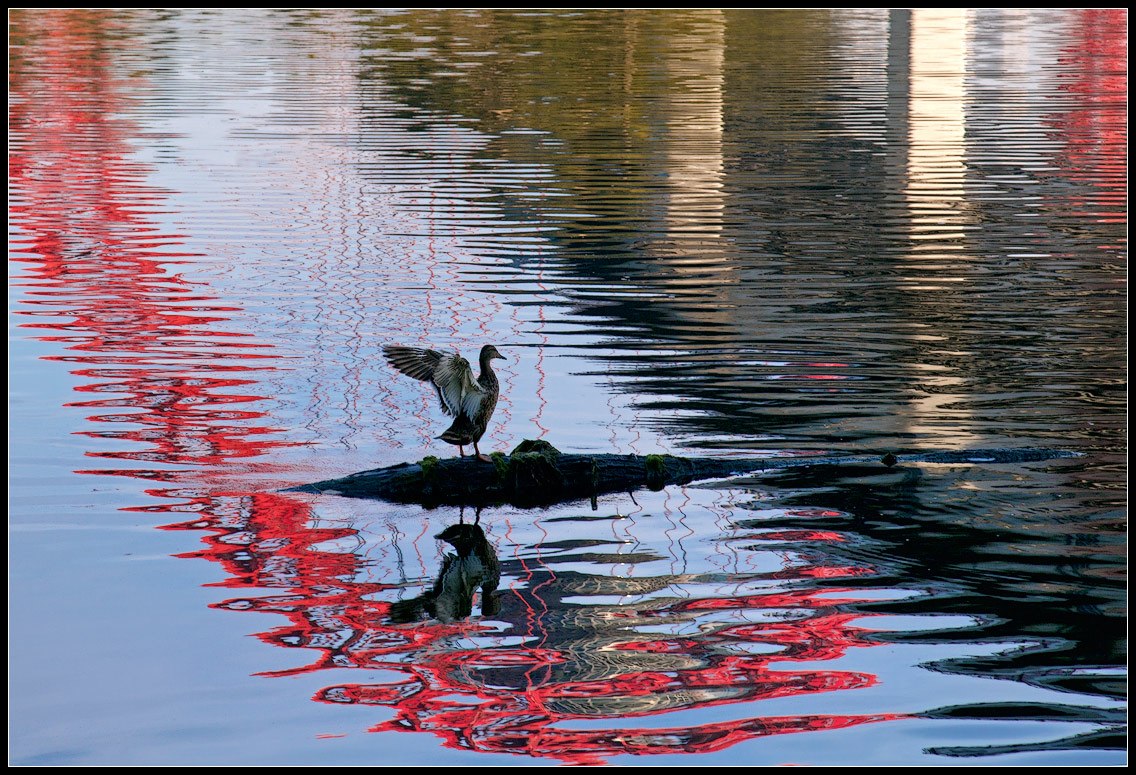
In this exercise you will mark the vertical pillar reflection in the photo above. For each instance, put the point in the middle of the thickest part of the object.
(935, 200)
(936, 125)
(694, 200)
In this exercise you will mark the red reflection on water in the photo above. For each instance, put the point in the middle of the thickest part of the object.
(522, 688)
(98, 266)
(467, 698)
(1095, 129)
(170, 374)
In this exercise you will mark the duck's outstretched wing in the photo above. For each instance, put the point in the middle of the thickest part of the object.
(449, 373)
(459, 391)
(417, 362)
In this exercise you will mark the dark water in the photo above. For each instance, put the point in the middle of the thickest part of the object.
(771, 233)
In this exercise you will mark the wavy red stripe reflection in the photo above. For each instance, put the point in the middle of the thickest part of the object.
(483, 699)
(167, 371)
(1094, 129)
(98, 267)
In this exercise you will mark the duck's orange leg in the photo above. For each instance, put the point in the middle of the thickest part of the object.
(479, 455)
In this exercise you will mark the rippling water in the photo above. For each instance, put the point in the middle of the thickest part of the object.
(774, 233)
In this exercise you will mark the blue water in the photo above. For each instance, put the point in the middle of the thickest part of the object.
(731, 233)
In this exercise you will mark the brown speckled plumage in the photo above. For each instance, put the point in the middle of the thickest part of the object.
(470, 401)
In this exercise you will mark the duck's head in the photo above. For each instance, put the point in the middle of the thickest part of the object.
(489, 352)
(463, 537)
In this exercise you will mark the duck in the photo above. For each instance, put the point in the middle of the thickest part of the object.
(470, 401)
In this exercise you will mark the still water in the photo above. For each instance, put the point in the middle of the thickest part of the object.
(734, 233)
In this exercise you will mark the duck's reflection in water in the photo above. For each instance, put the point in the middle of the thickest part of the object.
(451, 598)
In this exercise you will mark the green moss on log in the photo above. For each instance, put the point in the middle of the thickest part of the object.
(500, 465)
(656, 466)
(429, 466)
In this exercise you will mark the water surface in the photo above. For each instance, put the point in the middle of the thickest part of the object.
(750, 233)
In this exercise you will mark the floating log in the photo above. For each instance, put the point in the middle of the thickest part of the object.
(536, 474)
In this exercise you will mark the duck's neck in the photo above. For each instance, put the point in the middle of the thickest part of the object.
(487, 376)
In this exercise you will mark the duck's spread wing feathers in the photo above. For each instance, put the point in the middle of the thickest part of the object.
(417, 362)
(459, 391)
(450, 374)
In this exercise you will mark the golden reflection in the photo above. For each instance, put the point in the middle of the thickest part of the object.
(937, 126)
(688, 248)
(694, 201)
(935, 197)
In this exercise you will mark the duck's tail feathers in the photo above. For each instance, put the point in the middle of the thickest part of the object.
(460, 432)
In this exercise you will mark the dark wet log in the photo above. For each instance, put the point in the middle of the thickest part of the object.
(536, 473)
